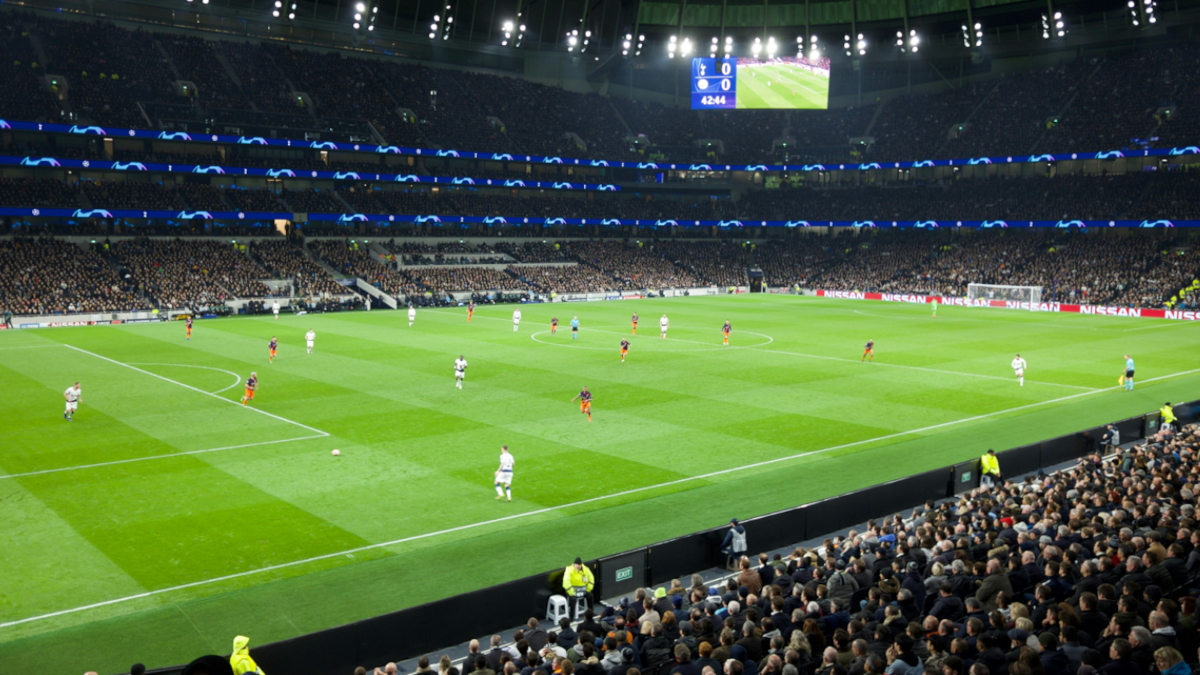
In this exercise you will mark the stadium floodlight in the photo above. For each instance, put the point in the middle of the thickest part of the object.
(846, 44)
(712, 47)
(814, 48)
(587, 38)
(364, 15)
(728, 45)
(978, 34)
(1060, 26)
(914, 40)
(278, 11)
(861, 45)
(685, 47)
(640, 43)
(966, 35)
(672, 46)
(1045, 27)
(756, 48)
(1150, 6)
(626, 44)
(772, 47)
(572, 39)
(507, 27)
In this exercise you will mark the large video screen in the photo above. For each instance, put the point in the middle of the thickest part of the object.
(780, 83)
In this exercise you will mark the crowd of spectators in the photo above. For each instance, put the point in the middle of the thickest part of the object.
(286, 260)
(1087, 570)
(1149, 195)
(179, 273)
(576, 278)
(269, 87)
(37, 192)
(474, 278)
(354, 259)
(1108, 267)
(51, 276)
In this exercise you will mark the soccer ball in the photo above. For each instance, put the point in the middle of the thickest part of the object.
(337, 453)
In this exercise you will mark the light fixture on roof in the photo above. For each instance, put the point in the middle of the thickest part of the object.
(672, 46)
(728, 46)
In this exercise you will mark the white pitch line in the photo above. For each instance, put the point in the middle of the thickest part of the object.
(31, 346)
(956, 373)
(551, 509)
(1158, 325)
(237, 379)
(196, 389)
(153, 457)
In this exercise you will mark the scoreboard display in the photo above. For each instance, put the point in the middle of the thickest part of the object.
(714, 83)
(775, 83)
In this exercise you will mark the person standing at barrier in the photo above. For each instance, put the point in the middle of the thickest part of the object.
(578, 581)
(1168, 416)
(989, 469)
(734, 546)
(1110, 439)
(240, 659)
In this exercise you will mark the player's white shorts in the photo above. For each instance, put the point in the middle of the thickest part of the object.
(310, 344)
(1019, 372)
(459, 374)
(504, 478)
(72, 406)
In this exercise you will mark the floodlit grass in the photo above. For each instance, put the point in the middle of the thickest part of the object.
(781, 86)
(167, 517)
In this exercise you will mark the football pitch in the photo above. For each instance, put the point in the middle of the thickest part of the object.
(167, 518)
(781, 86)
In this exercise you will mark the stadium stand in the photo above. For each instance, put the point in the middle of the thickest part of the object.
(248, 85)
(1102, 558)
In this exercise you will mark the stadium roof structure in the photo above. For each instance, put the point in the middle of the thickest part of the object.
(475, 24)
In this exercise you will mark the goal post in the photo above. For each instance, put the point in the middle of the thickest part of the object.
(1030, 294)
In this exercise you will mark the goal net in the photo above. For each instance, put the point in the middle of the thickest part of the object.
(1030, 294)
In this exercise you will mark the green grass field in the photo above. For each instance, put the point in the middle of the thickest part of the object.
(167, 517)
(781, 86)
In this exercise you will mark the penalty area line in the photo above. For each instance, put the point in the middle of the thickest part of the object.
(196, 389)
(184, 453)
(559, 507)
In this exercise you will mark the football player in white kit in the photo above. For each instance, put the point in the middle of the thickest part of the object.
(663, 325)
(309, 337)
(275, 309)
(412, 314)
(460, 371)
(72, 394)
(1018, 366)
(516, 319)
(504, 474)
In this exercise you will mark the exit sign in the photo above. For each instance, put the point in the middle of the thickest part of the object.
(624, 573)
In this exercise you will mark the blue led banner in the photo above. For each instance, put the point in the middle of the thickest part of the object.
(433, 219)
(113, 132)
(103, 165)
